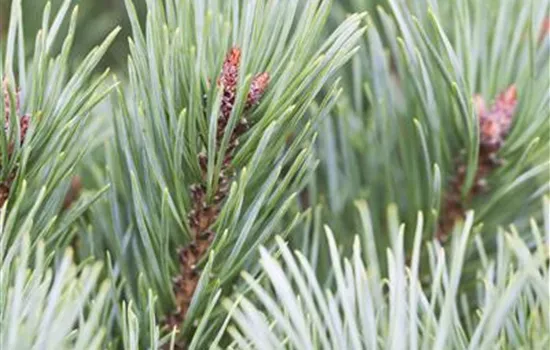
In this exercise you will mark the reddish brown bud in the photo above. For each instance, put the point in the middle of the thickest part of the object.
(230, 69)
(495, 123)
(228, 81)
(490, 133)
(505, 106)
(257, 88)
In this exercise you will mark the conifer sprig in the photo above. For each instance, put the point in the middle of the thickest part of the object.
(46, 299)
(409, 114)
(205, 213)
(202, 160)
(494, 126)
(46, 109)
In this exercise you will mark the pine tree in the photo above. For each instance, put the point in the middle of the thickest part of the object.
(206, 194)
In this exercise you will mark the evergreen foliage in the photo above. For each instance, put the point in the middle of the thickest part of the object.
(205, 194)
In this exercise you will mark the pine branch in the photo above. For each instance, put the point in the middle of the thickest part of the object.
(202, 167)
(46, 111)
(47, 301)
(494, 126)
(409, 113)
(205, 213)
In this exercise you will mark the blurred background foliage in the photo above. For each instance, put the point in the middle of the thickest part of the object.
(96, 19)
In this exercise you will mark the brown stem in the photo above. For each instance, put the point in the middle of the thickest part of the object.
(204, 213)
